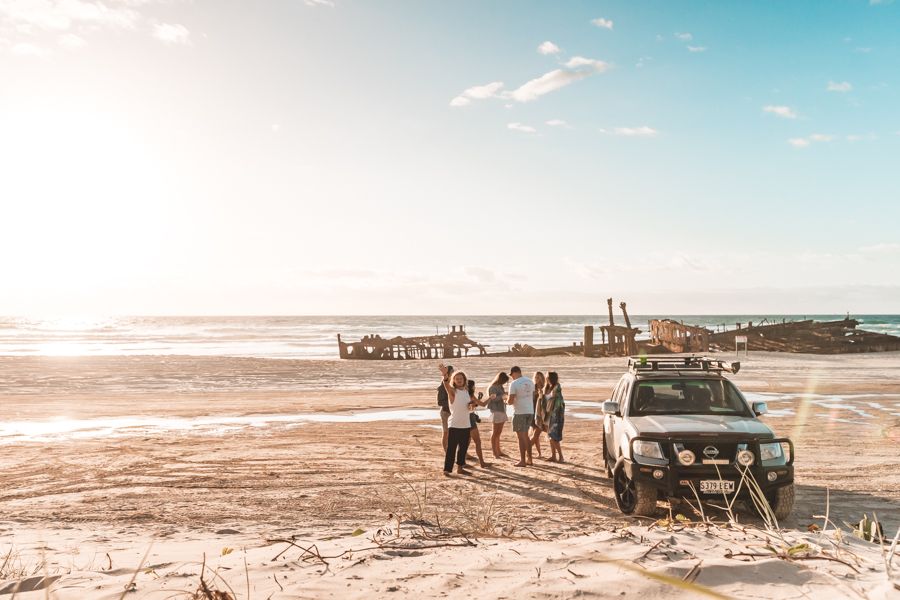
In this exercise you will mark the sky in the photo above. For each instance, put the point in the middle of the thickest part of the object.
(424, 157)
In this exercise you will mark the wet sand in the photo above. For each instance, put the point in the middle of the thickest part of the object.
(246, 456)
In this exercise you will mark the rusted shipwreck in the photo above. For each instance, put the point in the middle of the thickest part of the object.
(806, 336)
(453, 344)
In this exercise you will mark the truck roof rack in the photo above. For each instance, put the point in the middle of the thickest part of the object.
(638, 364)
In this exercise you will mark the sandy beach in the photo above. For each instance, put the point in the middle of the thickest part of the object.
(100, 458)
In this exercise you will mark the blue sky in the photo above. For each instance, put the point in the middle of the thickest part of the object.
(297, 157)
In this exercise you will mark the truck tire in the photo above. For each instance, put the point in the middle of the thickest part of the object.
(633, 497)
(781, 501)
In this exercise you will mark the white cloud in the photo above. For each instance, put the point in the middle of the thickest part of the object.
(843, 86)
(603, 23)
(863, 49)
(696, 48)
(521, 127)
(26, 49)
(804, 142)
(856, 137)
(684, 37)
(319, 2)
(29, 16)
(885, 248)
(478, 92)
(556, 123)
(785, 112)
(71, 41)
(577, 68)
(642, 131)
(548, 47)
(171, 33)
(643, 61)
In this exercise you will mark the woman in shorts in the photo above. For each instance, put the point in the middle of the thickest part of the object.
(536, 425)
(497, 405)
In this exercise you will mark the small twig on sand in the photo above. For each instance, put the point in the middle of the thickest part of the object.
(130, 585)
(651, 549)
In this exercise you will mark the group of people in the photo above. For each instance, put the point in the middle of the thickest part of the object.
(538, 407)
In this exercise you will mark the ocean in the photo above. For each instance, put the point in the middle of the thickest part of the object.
(316, 337)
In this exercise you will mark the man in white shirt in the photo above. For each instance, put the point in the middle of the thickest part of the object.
(521, 396)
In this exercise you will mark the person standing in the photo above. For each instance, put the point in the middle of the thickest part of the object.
(443, 403)
(521, 397)
(556, 406)
(476, 400)
(497, 406)
(459, 426)
(539, 382)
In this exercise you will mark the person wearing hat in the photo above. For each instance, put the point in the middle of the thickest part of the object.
(521, 397)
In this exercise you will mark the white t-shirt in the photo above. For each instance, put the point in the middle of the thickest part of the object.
(523, 388)
(459, 410)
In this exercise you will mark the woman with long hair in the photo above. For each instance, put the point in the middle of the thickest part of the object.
(459, 425)
(556, 407)
(497, 405)
(474, 419)
(537, 425)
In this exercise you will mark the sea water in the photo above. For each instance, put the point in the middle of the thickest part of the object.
(316, 337)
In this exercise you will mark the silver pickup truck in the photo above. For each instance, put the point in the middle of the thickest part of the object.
(677, 427)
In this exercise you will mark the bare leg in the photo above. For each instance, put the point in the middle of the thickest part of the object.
(476, 437)
(524, 448)
(495, 439)
(445, 424)
(536, 441)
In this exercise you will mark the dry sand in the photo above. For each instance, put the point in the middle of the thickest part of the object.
(237, 461)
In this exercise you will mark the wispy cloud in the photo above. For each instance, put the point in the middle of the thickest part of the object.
(29, 50)
(696, 48)
(521, 127)
(576, 68)
(172, 33)
(478, 92)
(804, 142)
(642, 131)
(842, 86)
(603, 23)
(319, 2)
(556, 123)
(858, 137)
(548, 47)
(684, 37)
(30, 16)
(785, 112)
(71, 41)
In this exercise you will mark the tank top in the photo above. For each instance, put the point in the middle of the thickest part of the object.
(459, 410)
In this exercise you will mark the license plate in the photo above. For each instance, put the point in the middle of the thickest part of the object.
(716, 486)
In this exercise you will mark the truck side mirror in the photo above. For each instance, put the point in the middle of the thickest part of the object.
(760, 408)
(610, 408)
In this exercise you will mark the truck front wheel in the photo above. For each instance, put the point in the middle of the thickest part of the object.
(781, 501)
(633, 497)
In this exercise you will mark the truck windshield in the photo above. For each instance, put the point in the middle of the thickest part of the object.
(687, 397)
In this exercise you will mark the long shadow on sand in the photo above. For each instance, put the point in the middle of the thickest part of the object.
(520, 482)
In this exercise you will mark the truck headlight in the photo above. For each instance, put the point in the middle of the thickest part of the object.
(770, 451)
(648, 449)
(745, 458)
